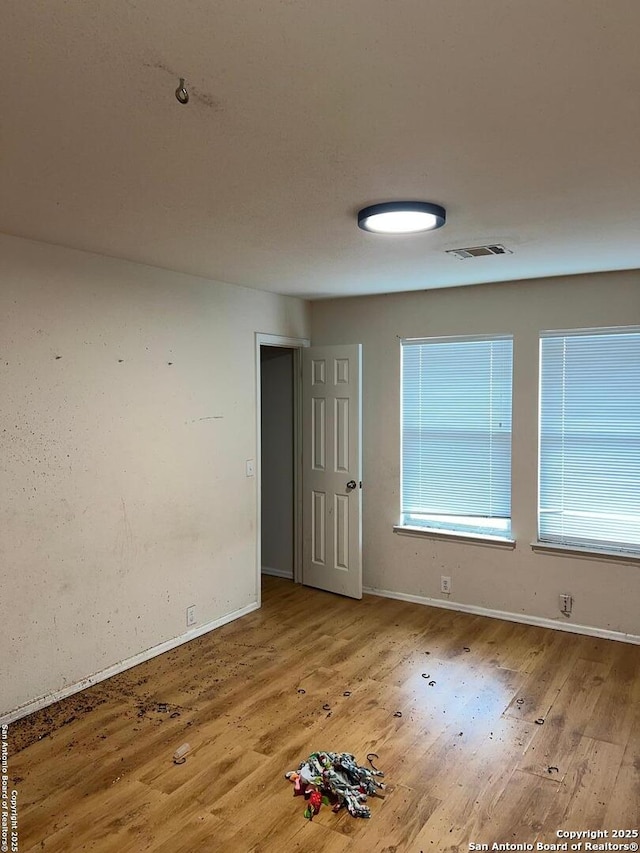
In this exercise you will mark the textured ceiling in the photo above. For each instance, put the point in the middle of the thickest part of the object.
(521, 117)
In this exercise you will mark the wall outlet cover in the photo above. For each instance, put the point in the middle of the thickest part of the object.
(565, 603)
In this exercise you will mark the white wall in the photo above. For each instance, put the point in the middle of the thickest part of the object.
(127, 413)
(516, 581)
(277, 461)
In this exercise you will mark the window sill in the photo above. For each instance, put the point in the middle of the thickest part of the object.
(455, 535)
(585, 553)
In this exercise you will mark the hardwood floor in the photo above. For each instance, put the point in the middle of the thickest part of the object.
(465, 763)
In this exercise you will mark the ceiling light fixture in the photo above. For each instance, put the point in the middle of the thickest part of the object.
(402, 217)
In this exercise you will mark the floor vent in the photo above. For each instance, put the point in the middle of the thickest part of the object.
(479, 251)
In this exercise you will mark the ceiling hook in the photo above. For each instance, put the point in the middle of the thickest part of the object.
(181, 92)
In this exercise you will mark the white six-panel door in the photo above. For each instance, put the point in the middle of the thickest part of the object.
(332, 463)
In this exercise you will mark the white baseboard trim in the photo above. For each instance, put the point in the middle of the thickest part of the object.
(167, 645)
(523, 618)
(277, 573)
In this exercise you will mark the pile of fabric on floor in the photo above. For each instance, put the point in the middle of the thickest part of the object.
(335, 779)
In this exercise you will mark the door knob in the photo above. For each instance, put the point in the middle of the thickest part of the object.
(351, 485)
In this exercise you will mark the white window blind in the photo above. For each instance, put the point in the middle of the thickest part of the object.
(456, 434)
(589, 491)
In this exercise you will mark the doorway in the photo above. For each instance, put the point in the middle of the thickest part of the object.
(332, 541)
(279, 457)
(277, 461)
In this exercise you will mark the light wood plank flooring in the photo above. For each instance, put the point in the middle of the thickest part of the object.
(465, 763)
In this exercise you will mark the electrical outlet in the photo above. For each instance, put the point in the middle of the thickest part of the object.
(191, 615)
(565, 601)
(445, 584)
(250, 468)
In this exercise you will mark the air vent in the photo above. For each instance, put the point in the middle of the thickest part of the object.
(479, 251)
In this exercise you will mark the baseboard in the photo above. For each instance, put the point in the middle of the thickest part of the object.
(524, 618)
(50, 698)
(277, 573)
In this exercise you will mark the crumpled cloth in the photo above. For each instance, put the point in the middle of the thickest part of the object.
(338, 775)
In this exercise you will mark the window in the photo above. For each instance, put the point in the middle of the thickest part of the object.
(589, 492)
(456, 435)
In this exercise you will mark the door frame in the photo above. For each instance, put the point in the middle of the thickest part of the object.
(295, 344)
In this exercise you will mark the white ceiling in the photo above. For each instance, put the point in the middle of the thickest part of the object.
(521, 117)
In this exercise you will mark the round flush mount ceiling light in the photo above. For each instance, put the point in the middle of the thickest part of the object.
(402, 217)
